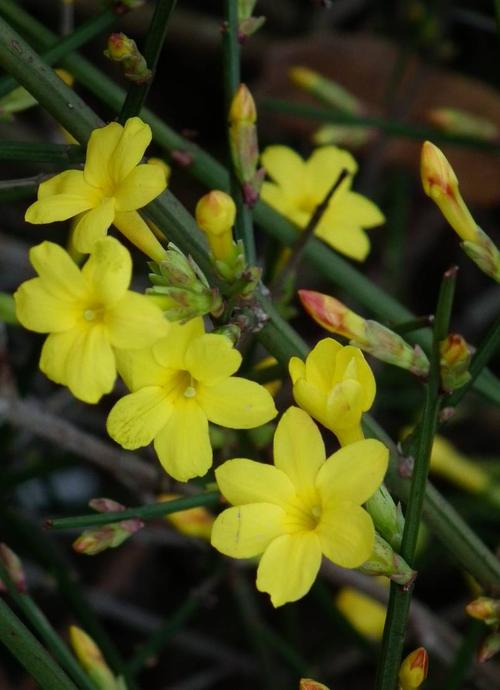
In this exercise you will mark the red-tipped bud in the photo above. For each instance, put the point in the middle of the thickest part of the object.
(414, 669)
(489, 647)
(456, 355)
(485, 609)
(309, 684)
(14, 567)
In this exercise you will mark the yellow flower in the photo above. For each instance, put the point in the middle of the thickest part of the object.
(90, 657)
(88, 314)
(299, 186)
(181, 384)
(109, 190)
(301, 508)
(334, 385)
(366, 615)
(194, 522)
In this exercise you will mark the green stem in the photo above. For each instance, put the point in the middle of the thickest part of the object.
(146, 512)
(137, 93)
(85, 33)
(47, 153)
(232, 77)
(464, 659)
(400, 598)
(30, 653)
(393, 127)
(42, 626)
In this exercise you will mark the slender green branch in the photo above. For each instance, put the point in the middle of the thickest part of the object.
(42, 626)
(30, 653)
(232, 78)
(395, 128)
(85, 33)
(464, 659)
(34, 152)
(400, 598)
(137, 93)
(146, 512)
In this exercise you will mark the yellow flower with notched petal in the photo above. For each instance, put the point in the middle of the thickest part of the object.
(301, 508)
(298, 187)
(109, 190)
(88, 313)
(179, 385)
(334, 385)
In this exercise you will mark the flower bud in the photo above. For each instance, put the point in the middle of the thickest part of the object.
(309, 684)
(215, 214)
(413, 670)
(441, 184)
(94, 541)
(485, 609)
(366, 615)
(247, 25)
(122, 49)
(485, 254)
(105, 505)
(387, 517)
(90, 657)
(65, 76)
(194, 522)
(462, 123)
(366, 334)
(325, 90)
(448, 462)
(385, 561)
(489, 647)
(14, 567)
(456, 355)
(242, 107)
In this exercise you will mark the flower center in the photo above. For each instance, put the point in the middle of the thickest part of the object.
(181, 385)
(303, 513)
(308, 203)
(93, 314)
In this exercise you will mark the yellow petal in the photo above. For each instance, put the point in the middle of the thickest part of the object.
(354, 472)
(183, 445)
(236, 403)
(323, 168)
(81, 359)
(137, 418)
(135, 322)
(353, 209)
(286, 168)
(133, 142)
(311, 399)
(142, 185)
(211, 358)
(344, 405)
(100, 149)
(69, 182)
(246, 531)
(38, 310)
(57, 270)
(298, 448)
(138, 368)
(349, 240)
(246, 481)
(93, 225)
(57, 207)
(320, 364)
(289, 566)
(365, 614)
(171, 353)
(297, 369)
(363, 373)
(346, 534)
(108, 271)
(273, 195)
(136, 230)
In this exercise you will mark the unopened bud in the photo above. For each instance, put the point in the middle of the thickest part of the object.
(90, 657)
(194, 522)
(65, 76)
(342, 136)
(387, 517)
(94, 541)
(309, 684)
(105, 505)
(326, 90)
(215, 214)
(122, 49)
(484, 253)
(489, 647)
(366, 615)
(242, 107)
(366, 334)
(448, 462)
(414, 669)
(441, 184)
(385, 561)
(485, 609)
(462, 123)
(14, 568)
(248, 25)
(456, 355)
